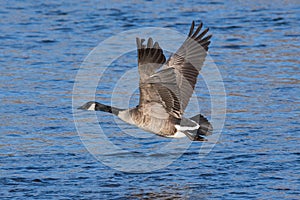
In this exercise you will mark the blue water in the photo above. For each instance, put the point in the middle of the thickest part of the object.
(256, 48)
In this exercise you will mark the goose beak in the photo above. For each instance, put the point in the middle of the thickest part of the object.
(80, 108)
(83, 107)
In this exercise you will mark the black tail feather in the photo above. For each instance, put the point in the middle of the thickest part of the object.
(205, 127)
(194, 136)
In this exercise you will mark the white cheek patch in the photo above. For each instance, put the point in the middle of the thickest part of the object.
(92, 107)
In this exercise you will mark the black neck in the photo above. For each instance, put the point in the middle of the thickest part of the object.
(106, 108)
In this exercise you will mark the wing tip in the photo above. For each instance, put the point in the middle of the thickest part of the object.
(197, 35)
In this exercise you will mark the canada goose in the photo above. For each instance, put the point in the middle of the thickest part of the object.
(165, 89)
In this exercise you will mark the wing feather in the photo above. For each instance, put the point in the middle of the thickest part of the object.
(150, 58)
(161, 88)
(172, 86)
(188, 61)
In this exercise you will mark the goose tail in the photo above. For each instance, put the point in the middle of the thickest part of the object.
(205, 128)
(197, 133)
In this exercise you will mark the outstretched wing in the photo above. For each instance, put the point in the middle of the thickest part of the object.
(150, 58)
(188, 61)
(167, 92)
(159, 93)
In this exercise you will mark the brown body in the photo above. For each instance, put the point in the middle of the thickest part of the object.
(163, 127)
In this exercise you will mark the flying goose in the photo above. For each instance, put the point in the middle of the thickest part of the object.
(165, 89)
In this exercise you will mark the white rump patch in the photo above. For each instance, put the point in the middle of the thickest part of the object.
(186, 128)
(178, 134)
(92, 106)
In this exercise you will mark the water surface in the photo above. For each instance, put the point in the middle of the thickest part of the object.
(256, 47)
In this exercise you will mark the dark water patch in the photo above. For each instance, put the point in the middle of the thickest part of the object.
(281, 23)
(8, 37)
(281, 188)
(63, 29)
(260, 46)
(21, 180)
(128, 25)
(224, 28)
(37, 180)
(233, 39)
(56, 12)
(46, 41)
(19, 190)
(234, 46)
(259, 10)
(110, 185)
(115, 13)
(215, 2)
(277, 19)
(14, 8)
(292, 35)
